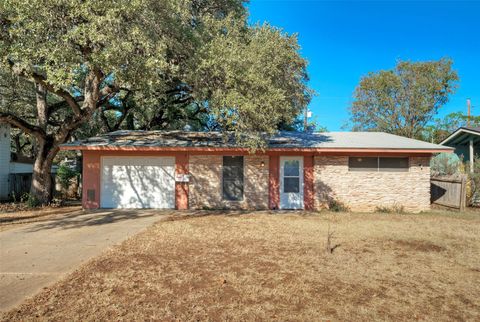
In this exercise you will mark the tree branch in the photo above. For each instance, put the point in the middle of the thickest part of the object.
(22, 124)
(60, 92)
(57, 106)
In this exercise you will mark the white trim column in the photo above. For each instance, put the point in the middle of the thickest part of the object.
(472, 155)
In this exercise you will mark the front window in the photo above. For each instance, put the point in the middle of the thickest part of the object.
(382, 164)
(233, 178)
(393, 164)
(362, 164)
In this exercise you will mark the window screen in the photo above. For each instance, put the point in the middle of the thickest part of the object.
(233, 178)
(393, 164)
(362, 164)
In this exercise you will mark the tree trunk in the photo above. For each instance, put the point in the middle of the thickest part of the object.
(42, 183)
(47, 139)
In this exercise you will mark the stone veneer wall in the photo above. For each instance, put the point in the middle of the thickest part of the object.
(205, 187)
(364, 191)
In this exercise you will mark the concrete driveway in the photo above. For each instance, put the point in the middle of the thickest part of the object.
(38, 254)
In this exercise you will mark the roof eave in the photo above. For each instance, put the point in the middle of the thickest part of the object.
(458, 132)
(292, 149)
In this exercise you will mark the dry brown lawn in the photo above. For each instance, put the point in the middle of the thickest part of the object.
(261, 266)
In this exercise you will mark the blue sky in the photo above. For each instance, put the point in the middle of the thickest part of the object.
(344, 40)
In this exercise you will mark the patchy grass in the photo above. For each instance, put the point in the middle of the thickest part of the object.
(263, 266)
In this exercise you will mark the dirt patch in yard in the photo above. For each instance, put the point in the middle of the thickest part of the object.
(416, 245)
(275, 267)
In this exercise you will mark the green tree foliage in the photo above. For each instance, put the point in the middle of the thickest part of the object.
(65, 175)
(441, 128)
(18, 95)
(445, 164)
(101, 65)
(404, 100)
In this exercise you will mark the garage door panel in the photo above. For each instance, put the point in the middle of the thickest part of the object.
(130, 182)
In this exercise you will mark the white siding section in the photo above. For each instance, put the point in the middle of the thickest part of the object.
(4, 159)
(17, 167)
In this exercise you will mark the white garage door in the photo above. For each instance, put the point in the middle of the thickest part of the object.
(138, 182)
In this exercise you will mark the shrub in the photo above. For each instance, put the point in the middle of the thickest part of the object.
(65, 175)
(473, 183)
(393, 209)
(30, 200)
(445, 164)
(337, 206)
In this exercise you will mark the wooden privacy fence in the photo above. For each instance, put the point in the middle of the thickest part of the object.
(19, 184)
(449, 192)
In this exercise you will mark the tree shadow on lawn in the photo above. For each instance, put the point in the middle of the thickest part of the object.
(192, 214)
(85, 218)
(91, 218)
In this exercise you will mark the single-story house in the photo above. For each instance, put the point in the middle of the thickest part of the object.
(208, 170)
(466, 141)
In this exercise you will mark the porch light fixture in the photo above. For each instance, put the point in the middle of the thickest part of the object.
(262, 164)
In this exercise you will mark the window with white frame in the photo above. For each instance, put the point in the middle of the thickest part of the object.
(291, 176)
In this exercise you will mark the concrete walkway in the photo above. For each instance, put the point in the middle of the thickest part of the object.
(38, 254)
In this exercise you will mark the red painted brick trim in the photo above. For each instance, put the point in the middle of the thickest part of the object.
(274, 182)
(308, 182)
(91, 179)
(181, 188)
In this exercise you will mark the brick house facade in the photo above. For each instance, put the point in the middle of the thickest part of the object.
(278, 178)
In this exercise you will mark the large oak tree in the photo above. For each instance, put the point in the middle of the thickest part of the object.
(403, 100)
(87, 57)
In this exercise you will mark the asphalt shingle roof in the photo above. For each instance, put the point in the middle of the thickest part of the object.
(333, 140)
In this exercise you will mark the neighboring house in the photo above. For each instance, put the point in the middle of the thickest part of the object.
(15, 170)
(466, 141)
(199, 170)
(10, 163)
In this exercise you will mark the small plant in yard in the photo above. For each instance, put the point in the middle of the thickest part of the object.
(57, 203)
(30, 200)
(473, 183)
(337, 206)
(393, 209)
(330, 247)
(14, 197)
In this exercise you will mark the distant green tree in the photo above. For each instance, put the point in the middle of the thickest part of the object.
(443, 127)
(404, 100)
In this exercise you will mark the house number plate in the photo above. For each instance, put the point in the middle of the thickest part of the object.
(181, 177)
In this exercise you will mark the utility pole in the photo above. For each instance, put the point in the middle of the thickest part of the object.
(305, 119)
(468, 114)
(307, 115)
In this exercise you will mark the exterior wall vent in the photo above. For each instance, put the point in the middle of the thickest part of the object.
(91, 195)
